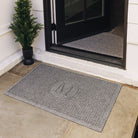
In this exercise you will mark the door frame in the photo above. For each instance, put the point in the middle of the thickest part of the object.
(82, 54)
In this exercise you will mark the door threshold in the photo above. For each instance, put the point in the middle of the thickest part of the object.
(89, 56)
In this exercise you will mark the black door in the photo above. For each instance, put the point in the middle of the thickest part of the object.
(79, 18)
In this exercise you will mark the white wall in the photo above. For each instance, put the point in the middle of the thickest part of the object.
(132, 38)
(8, 47)
(7, 44)
(37, 10)
(10, 53)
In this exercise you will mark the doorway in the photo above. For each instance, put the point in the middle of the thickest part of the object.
(88, 29)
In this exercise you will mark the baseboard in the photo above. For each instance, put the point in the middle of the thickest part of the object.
(10, 62)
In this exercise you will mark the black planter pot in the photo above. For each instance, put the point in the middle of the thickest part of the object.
(28, 54)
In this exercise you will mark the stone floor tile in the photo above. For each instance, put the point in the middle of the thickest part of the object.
(22, 70)
(7, 80)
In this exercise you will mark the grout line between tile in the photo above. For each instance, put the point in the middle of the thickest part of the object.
(67, 130)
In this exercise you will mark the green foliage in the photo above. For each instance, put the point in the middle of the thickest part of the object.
(24, 26)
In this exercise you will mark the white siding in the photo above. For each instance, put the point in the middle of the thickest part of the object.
(7, 44)
(132, 37)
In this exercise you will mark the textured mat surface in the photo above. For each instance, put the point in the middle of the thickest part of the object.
(104, 43)
(82, 99)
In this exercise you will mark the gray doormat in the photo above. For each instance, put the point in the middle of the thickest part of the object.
(82, 99)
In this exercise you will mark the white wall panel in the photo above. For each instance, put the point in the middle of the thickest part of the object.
(7, 46)
(6, 11)
(132, 35)
(133, 13)
(39, 15)
(133, 1)
(37, 5)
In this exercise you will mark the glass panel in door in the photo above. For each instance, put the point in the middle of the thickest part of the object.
(74, 10)
(94, 9)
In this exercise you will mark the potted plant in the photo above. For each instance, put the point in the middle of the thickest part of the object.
(25, 28)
